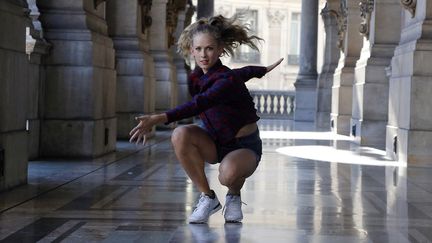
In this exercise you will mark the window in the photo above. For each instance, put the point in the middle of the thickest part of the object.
(244, 53)
(294, 40)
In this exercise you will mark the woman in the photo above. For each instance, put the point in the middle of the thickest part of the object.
(230, 134)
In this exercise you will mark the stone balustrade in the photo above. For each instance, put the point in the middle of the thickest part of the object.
(274, 104)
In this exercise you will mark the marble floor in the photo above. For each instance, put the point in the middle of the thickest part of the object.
(311, 186)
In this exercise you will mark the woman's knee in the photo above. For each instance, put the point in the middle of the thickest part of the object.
(180, 135)
(228, 177)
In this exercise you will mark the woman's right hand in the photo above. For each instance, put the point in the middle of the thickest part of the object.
(145, 126)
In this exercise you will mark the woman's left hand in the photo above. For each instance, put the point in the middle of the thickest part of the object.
(272, 66)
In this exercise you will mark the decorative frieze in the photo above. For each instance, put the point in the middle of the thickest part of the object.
(410, 5)
(366, 9)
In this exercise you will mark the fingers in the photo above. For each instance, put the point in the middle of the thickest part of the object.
(271, 67)
(141, 131)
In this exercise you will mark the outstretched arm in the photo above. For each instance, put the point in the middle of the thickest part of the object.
(271, 67)
(248, 72)
(145, 126)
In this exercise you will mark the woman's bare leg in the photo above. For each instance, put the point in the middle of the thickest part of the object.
(235, 168)
(193, 146)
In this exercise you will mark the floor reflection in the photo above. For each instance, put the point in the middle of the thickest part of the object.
(296, 195)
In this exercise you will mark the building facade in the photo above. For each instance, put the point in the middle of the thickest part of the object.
(74, 74)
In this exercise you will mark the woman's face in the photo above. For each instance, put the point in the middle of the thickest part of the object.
(205, 50)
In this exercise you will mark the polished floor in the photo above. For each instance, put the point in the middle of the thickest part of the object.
(310, 186)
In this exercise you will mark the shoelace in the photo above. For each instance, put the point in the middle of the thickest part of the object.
(228, 202)
(200, 201)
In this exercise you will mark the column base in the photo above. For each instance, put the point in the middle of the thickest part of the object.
(369, 133)
(305, 100)
(322, 121)
(78, 138)
(13, 171)
(413, 147)
(340, 124)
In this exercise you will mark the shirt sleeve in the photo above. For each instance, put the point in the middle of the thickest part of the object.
(246, 73)
(223, 90)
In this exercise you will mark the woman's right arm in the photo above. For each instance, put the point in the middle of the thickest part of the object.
(145, 126)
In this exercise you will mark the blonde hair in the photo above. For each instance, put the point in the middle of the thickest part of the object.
(228, 32)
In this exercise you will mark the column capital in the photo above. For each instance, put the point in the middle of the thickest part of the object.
(342, 20)
(366, 9)
(410, 5)
(275, 16)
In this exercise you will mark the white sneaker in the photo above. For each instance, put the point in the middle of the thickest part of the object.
(233, 212)
(204, 208)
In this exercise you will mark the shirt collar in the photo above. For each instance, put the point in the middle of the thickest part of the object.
(198, 72)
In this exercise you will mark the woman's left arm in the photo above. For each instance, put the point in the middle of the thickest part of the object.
(246, 73)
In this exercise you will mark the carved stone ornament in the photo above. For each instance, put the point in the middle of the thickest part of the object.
(190, 10)
(275, 16)
(146, 19)
(366, 9)
(97, 2)
(327, 12)
(410, 5)
(171, 21)
(223, 10)
(342, 21)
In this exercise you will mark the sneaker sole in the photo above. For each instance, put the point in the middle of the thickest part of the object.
(233, 221)
(217, 208)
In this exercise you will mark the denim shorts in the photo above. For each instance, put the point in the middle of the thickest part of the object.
(251, 141)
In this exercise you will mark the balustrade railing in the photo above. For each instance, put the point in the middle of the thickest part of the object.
(274, 104)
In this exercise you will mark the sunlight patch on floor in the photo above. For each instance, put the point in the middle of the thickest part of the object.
(303, 135)
(367, 156)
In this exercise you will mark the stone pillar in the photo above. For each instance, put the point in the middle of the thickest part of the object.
(37, 47)
(306, 83)
(128, 26)
(161, 39)
(184, 19)
(350, 42)
(409, 128)
(275, 20)
(205, 8)
(331, 56)
(14, 73)
(371, 89)
(79, 105)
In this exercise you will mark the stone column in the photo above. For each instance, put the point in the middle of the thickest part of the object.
(306, 83)
(161, 39)
(331, 56)
(409, 128)
(370, 92)
(14, 74)
(275, 20)
(205, 8)
(37, 47)
(184, 19)
(79, 105)
(350, 42)
(128, 26)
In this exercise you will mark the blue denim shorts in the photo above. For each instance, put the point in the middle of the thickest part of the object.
(251, 141)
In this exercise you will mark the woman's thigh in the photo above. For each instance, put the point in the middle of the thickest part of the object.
(199, 138)
(240, 163)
